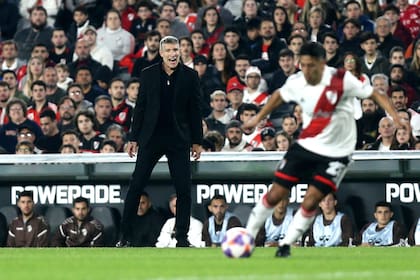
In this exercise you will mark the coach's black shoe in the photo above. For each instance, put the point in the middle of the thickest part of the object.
(183, 243)
(122, 244)
(283, 251)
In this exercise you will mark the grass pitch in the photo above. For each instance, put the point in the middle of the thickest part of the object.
(202, 264)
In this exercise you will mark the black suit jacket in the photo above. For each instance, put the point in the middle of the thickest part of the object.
(186, 106)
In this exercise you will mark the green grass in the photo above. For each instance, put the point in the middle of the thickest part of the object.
(202, 264)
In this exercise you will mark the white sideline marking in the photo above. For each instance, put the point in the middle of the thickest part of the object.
(289, 276)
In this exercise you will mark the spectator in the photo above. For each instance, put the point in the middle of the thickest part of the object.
(386, 130)
(275, 226)
(252, 92)
(145, 227)
(85, 79)
(295, 42)
(27, 134)
(66, 110)
(185, 48)
(127, 13)
(84, 59)
(86, 125)
(16, 112)
(403, 140)
(25, 148)
(4, 98)
(9, 16)
(331, 227)
(51, 8)
(281, 22)
(80, 230)
(50, 141)
(54, 93)
(167, 233)
(63, 76)
(235, 96)
(185, 14)
(178, 28)
(220, 115)
(268, 139)
(372, 9)
(215, 227)
(216, 139)
(80, 23)
(39, 101)
(265, 53)
(225, 15)
(399, 98)
(367, 125)
(242, 63)
(9, 55)
(60, 53)
(251, 135)
(331, 46)
(35, 71)
(409, 16)
(283, 141)
(38, 32)
(236, 46)
(28, 229)
(75, 92)
(287, 68)
(67, 149)
(397, 28)
(99, 53)
(351, 38)
(326, 6)
(132, 90)
(234, 141)
(117, 134)
(121, 111)
(380, 82)
(103, 113)
(143, 23)
(222, 61)
(397, 78)
(10, 77)
(150, 55)
(354, 11)
(108, 146)
(163, 26)
(316, 26)
(71, 137)
(414, 235)
(373, 61)
(212, 26)
(386, 40)
(119, 41)
(383, 231)
(396, 56)
(289, 125)
(200, 47)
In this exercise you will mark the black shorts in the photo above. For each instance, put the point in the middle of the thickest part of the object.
(302, 166)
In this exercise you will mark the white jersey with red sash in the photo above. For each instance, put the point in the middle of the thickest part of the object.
(329, 128)
(254, 139)
(258, 98)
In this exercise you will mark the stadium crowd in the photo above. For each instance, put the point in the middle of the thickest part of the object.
(70, 70)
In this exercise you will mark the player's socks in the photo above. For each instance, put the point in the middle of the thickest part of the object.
(258, 215)
(300, 223)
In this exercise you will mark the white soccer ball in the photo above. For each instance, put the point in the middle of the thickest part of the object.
(238, 243)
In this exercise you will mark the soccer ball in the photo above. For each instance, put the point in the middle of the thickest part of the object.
(238, 243)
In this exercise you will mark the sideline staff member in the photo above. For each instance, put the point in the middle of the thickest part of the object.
(166, 121)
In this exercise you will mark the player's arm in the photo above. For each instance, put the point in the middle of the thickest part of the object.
(383, 101)
(274, 101)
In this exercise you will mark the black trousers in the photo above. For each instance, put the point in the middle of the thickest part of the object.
(180, 170)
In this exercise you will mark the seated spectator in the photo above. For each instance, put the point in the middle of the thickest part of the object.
(80, 230)
(216, 138)
(275, 227)
(235, 95)
(54, 93)
(403, 140)
(351, 37)
(39, 102)
(330, 228)
(89, 137)
(85, 79)
(50, 141)
(367, 125)
(386, 131)
(67, 110)
(212, 26)
(108, 146)
(84, 60)
(185, 49)
(71, 137)
(289, 125)
(220, 115)
(316, 26)
(145, 227)
(282, 23)
(38, 32)
(117, 134)
(383, 231)
(235, 141)
(132, 90)
(200, 46)
(150, 55)
(99, 53)
(185, 14)
(414, 235)
(385, 38)
(215, 227)
(143, 23)
(398, 30)
(67, 149)
(332, 49)
(283, 141)
(251, 135)
(268, 139)
(373, 61)
(80, 22)
(28, 229)
(225, 14)
(25, 148)
(4, 98)
(103, 113)
(60, 53)
(16, 112)
(10, 77)
(397, 77)
(121, 112)
(127, 13)
(177, 28)
(253, 92)
(63, 76)
(9, 56)
(119, 41)
(34, 72)
(167, 233)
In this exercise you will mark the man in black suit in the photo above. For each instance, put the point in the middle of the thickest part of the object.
(166, 121)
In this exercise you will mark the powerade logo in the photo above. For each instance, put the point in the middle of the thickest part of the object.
(404, 192)
(244, 193)
(64, 194)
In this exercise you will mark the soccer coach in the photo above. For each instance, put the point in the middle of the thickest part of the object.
(166, 121)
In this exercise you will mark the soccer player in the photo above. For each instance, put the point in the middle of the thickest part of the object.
(328, 137)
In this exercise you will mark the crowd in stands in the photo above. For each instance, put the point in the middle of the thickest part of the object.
(155, 227)
(72, 69)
